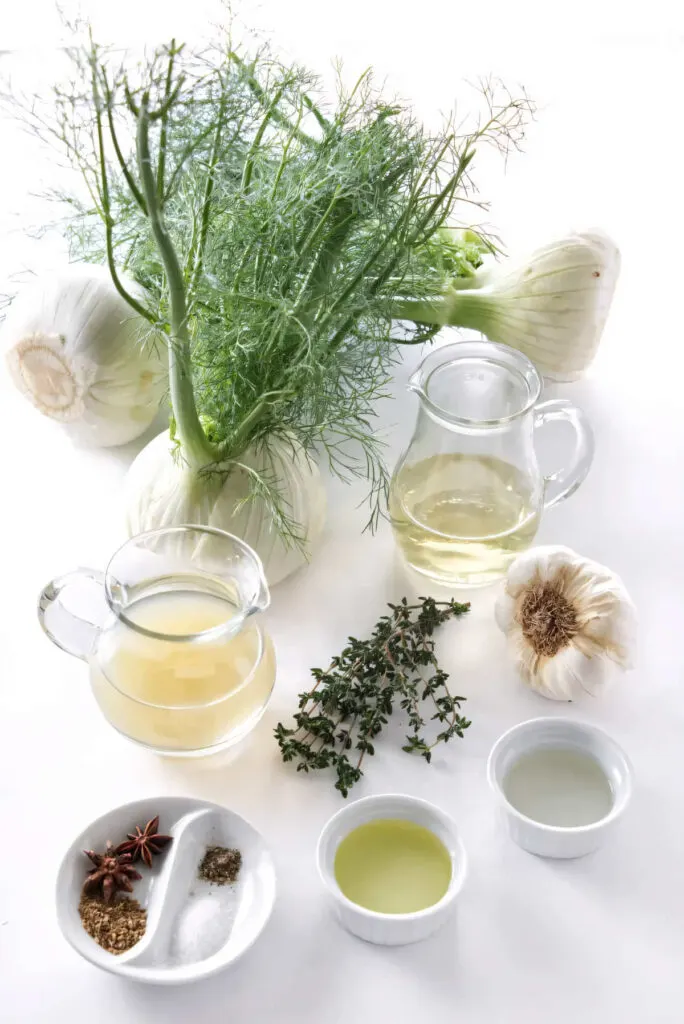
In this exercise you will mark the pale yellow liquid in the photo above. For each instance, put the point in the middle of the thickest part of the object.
(462, 519)
(181, 696)
(392, 866)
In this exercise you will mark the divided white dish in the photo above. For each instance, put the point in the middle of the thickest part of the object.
(177, 901)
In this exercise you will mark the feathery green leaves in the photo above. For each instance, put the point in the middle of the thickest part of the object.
(297, 224)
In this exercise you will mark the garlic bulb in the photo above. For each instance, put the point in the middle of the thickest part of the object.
(163, 490)
(567, 620)
(81, 355)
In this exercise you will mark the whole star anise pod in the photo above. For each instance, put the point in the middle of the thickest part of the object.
(144, 842)
(112, 873)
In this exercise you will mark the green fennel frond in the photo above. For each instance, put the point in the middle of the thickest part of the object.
(296, 222)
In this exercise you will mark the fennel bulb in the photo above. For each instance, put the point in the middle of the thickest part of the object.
(161, 490)
(78, 352)
(552, 305)
(271, 229)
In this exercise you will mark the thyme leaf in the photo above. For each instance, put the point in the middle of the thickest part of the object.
(341, 716)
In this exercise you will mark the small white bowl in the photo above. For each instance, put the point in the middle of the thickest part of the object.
(390, 929)
(167, 953)
(560, 733)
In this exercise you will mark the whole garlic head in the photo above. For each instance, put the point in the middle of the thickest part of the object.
(568, 621)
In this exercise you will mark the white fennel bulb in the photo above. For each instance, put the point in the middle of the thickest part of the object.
(75, 348)
(162, 489)
(552, 305)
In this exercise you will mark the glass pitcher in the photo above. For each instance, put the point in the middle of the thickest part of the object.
(177, 661)
(467, 495)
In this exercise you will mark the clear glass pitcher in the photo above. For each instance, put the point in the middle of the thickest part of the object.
(467, 495)
(178, 662)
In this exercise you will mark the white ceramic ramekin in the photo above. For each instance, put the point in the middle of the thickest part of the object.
(390, 929)
(555, 733)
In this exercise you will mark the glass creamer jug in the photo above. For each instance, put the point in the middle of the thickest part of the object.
(467, 495)
(178, 662)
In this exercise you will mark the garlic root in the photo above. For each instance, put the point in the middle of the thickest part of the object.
(568, 621)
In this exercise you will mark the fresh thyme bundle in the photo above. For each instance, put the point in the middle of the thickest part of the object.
(273, 233)
(343, 714)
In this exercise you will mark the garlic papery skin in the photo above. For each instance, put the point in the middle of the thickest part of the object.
(162, 489)
(569, 621)
(75, 348)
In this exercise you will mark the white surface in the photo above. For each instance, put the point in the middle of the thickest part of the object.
(171, 889)
(581, 942)
(391, 929)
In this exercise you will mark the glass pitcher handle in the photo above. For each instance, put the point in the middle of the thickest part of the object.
(75, 631)
(564, 482)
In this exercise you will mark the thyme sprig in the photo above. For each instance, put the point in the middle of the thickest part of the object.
(342, 715)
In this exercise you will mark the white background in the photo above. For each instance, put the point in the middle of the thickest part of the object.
(593, 941)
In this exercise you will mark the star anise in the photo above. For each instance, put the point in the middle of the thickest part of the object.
(144, 842)
(112, 873)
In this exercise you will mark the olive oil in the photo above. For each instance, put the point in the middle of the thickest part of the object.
(392, 866)
(181, 695)
(462, 519)
(559, 787)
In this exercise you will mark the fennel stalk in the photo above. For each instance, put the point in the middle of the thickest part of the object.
(274, 233)
(191, 436)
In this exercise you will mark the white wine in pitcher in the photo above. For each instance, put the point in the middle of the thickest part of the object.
(468, 493)
(462, 518)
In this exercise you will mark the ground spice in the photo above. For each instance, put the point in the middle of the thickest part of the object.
(220, 866)
(115, 926)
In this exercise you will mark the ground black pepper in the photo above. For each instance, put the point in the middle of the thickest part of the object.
(220, 866)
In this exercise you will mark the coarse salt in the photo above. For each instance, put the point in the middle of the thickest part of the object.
(203, 926)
